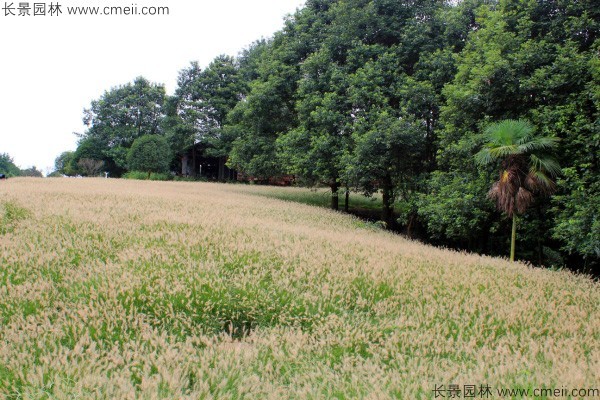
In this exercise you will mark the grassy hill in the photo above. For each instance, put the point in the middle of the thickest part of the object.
(129, 289)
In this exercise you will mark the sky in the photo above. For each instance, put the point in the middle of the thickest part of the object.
(52, 67)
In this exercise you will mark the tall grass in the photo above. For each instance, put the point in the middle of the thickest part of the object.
(115, 289)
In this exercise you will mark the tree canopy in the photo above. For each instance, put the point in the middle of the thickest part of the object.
(149, 153)
(7, 166)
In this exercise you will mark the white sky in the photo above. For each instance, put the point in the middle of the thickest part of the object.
(52, 67)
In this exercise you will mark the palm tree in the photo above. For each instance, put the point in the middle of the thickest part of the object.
(527, 168)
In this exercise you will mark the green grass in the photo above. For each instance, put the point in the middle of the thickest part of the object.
(11, 214)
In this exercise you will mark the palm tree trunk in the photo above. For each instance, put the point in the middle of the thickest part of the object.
(513, 237)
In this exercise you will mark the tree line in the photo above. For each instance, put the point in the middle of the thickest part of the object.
(395, 97)
(8, 168)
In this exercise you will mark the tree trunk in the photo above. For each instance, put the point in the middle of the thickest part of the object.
(387, 212)
(540, 249)
(409, 227)
(221, 169)
(513, 237)
(334, 196)
(194, 162)
(346, 205)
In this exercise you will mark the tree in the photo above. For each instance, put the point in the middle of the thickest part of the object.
(120, 116)
(149, 153)
(526, 167)
(578, 214)
(387, 155)
(456, 211)
(7, 166)
(533, 60)
(314, 150)
(269, 109)
(63, 164)
(199, 109)
(89, 166)
(32, 172)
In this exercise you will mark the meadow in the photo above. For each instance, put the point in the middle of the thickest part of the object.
(121, 289)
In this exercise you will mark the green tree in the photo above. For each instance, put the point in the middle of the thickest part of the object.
(206, 97)
(269, 109)
(120, 116)
(387, 155)
(577, 212)
(7, 166)
(149, 153)
(526, 167)
(180, 134)
(455, 209)
(63, 164)
(314, 149)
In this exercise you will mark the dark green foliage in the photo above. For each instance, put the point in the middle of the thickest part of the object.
(532, 60)
(125, 113)
(388, 153)
(149, 153)
(7, 166)
(455, 208)
(154, 176)
(64, 163)
(577, 216)
(117, 118)
(269, 110)
(202, 101)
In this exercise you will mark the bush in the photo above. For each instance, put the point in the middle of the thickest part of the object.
(154, 176)
(149, 153)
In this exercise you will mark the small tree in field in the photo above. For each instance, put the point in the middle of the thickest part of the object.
(526, 167)
(149, 153)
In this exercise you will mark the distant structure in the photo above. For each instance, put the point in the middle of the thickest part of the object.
(195, 164)
(2, 176)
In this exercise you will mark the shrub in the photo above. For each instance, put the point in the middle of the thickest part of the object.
(149, 153)
(153, 176)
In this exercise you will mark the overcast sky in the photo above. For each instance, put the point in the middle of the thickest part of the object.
(52, 67)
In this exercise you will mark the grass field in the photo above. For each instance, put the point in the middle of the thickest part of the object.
(119, 289)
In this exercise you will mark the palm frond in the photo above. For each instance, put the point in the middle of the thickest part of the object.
(545, 163)
(508, 131)
(483, 157)
(504, 190)
(538, 143)
(538, 181)
(523, 199)
(503, 151)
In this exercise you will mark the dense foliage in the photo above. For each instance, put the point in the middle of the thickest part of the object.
(149, 153)
(393, 97)
(7, 166)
